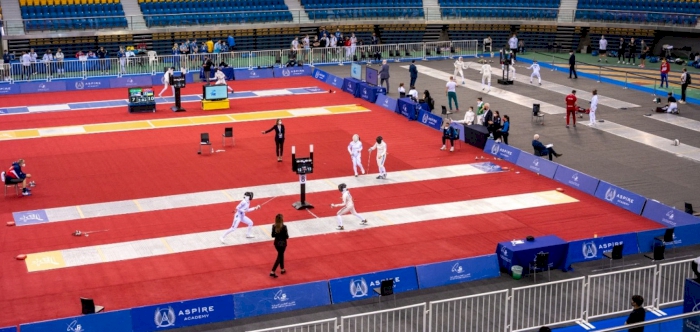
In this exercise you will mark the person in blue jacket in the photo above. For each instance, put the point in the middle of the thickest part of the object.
(544, 150)
(502, 132)
(448, 133)
(414, 72)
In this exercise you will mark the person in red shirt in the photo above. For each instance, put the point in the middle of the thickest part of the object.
(665, 68)
(14, 175)
(571, 107)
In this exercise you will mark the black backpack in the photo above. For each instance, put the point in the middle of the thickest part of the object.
(687, 78)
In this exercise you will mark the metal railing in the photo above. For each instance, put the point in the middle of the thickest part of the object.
(325, 325)
(671, 281)
(555, 302)
(406, 319)
(610, 293)
(481, 312)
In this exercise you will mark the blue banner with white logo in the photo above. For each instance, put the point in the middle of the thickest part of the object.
(30, 217)
(352, 86)
(173, 315)
(682, 236)
(319, 75)
(292, 71)
(88, 84)
(335, 81)
(592, 249)
(620, 197)
(431, 120)
(503, 151)
(34, 87)
(9, 89)
(457, 271)
(281, 299)
(386, 102)
(691, 303)
(114, 321)
(362, 286)
(537, 164)
(130, 81)
(666, 215)
(248, 74)
(8, 329)
(576, 179)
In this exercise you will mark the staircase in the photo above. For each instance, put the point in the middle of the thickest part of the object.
(431, 8)
(567, 8)
(299, 15)
(13, 17)
(432, 33)
(134, 16)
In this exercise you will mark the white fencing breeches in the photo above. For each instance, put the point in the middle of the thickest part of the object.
(539, 78)
(591, 117)
(357, 162)
(237, 220)
(345, 210)
(380, 164)
(165, 87)
(485, 78)
(461, 73)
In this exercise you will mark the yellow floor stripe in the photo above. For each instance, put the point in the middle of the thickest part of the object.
(167, 246)
(177, 122)
(102, 255)
(382, 217)
(138, 206)
(80, 212)
(45, 261)
(227, 195)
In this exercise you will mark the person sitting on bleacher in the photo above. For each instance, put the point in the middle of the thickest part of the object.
(671, 106)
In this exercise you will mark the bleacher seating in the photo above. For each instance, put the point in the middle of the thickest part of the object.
(501, 9)
(537, 37)
(342, 9)
(169, 13)
(676, 12)
(72, 45)
(402, 33)
(363, 32)
(499, 33)
(613, 36)
(45, 15)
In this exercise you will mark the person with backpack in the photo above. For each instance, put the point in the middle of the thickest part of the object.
(685, 81)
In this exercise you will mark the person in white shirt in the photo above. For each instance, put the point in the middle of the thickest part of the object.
(413, 93)
(166, 81)
(594, 108)
(602, 49)
(355, 150)
(535, 72)
(59, 62)
(307, 42)
(488, 45)
(34, 58)
(513, 44)
(47, 59)
(459, 67)
(348, 206)
(220, 78)
(334, 41)
(485, 76)
(353, 44)
(469, 117)
(26, 61)
(451, 88)
(402, 91)
(295, 44)
(380, 146)
(241, 209)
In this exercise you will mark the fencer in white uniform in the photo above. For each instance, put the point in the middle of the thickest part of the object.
(220, 78)
(348, 206)
(241, 209)
(535, 71)
(355, 149)
(485, 76)
(380, 146)
(459, 68)
(166, 81)
(593, 109)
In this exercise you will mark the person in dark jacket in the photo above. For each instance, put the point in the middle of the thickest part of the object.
(572, 64)
(448, 133)
(544, 150)
(280, 234)
(279, 138)
(638, 313)
(384, 75)
(429, 100)
(206, 69)
(502, 132)
(14, 175)
(414, 73)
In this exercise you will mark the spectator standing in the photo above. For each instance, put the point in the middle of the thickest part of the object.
(47, 59)
(374, 40)
(414, 72)
(602, 49)
(295, 44)
(488, 42)
(59, 62)
(231, 43)
(572, 64)
(210, 46)
(632, 54)
(638, 313)
(384, 75)
(34, 57)
(206, 69)
(281, 235)
(102, 56)
(685, 81)
(621, 49)
(571, 107)
(643, 56)
(176, 55)
(513, 45)
(664, 69)
(26, 61)
(502, 133)
(121, 54)
(451, 92)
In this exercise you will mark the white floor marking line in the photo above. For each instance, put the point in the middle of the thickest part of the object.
(309, 227)
(676, 121)
(263, 191)
(523, 76)
(495, 91)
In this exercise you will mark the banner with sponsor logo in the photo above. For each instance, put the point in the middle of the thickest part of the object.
(593, 248)
(173, 315)
(319, 75)
(8, 329)
(386, 102)
(457, 271)
(620, 197)
(254, 74)
(292, 71)
(113, 321)
(433, 121)
(88, 84)
(158, 79)
(352, 86)
(131, 81)
(667, 216)
(362, 286)
(537, 164)
(30, 217)
(34, 87)
(459, 127)
(281, 299)
(9, 89)
(503, 151)
(576, 179)
(682, 236)
(335, 81)
(691, 303)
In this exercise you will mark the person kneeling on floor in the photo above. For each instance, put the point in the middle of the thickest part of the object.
(14, 175)
(671, 106)
(448, 133)
(544, 150)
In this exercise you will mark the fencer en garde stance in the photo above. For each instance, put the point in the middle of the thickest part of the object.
(348, 206)
(220, 78)
(485, 75)
(241, 209)
(535, 72)
(459, 68)
(355, 149)
(380, 146)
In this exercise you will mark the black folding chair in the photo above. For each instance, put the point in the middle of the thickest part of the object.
(541, 263)
(204, 140)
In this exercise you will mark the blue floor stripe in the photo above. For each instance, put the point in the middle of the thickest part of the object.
(619, 321)
(246, 94)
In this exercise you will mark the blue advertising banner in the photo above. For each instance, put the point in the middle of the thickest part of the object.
(362, 286)
(280, 299)
(433, 121)
(157, 79)
(460, 127)
(576, 179)
(370, 92)
(386, 102)
(537, 164)
(691, 303)
(682, 236)
(9, 89)
(88, 84)
(30, 217)
(319, 75)
(503, 151)
(408, 108)
(620, 197)
(246, 74)
(666, 215)
(592, 249)
(352, 86)
(335, 81)
(292, 71)
(113, 321)
(457, 271)
(131, 81)
(8, 329)
(173, 315)
(34, 87)
(522, 253)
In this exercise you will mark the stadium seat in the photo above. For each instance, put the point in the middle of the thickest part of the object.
(678, 12)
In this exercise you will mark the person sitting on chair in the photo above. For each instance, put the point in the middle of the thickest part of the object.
(14, 175)
(413, 93)
(428, 100)
(469, 117)
(448, 133)
(544, 150)
(671, 106)
(402, 91)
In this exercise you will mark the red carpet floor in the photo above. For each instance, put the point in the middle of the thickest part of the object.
(116, 166)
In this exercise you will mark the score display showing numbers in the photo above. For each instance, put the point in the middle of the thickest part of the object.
(305, 166)
(141, 96)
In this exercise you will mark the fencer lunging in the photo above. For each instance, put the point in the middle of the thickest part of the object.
(485, 75)
(459, 68)
(535, 72)
(355, 149)
(348, 206)
(241, 209)
(380, 146)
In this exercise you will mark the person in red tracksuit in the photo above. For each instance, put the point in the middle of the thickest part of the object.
(665, 68)
(571, 108)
